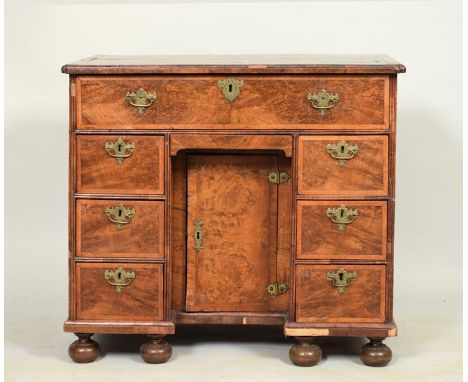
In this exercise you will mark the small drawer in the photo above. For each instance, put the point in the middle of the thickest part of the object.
(120, 228)
(120, 164)
(343, 165)
(340, 293)
(341, 230)
(257, 102)
(117, 291)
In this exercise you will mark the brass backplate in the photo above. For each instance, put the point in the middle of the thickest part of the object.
(342, 215)
(119, 149)
(198, 234)
(140, 99)
(323, 101)
(120, 214)
(119, 278)
(342, 151)
(341, 279)
(230, 88)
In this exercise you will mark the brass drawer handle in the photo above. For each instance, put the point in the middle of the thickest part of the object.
(198, 234)
(323, 101)
(120, 214)
(341, 279)
(119, 149)
(230, 88)
(141, 100)
(119, 278)
(342, 151)
(342, 216)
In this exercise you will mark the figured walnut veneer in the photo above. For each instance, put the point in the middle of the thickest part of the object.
(98, 237)
(321, 174)
(319, 238)
(194, 102)
(267, 249)
(141, 173)
(98, 300)
(319, 301)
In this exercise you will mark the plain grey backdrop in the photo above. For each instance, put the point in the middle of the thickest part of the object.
(425, 35)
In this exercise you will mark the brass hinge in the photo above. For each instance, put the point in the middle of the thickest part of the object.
(277, 289)
(278, 177)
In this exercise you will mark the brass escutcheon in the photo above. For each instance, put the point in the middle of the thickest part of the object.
(119, 149)
(341, 279)
(323, 101)
(342, 216)
(230, 88)
(120, 214)
(141, 99)
(278, 177)
(198, 235)
(119, 278)
(277, 289)
(342, 151)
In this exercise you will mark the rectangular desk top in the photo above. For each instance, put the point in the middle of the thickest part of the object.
(254, 64)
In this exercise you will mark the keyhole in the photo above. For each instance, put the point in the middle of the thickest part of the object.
(119, 275)
(120, 212)
(198, 235)
(342, 149)
(230, 88)
(342, 213)
(119, 147)
(340, 275)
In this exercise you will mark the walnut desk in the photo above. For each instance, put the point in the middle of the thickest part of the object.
(232, 190)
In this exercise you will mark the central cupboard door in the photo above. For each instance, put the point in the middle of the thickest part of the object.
(232, 233)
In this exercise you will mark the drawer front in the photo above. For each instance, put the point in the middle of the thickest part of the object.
(120, 164)
(341, 230)
(136, 295)
(263, 102)
(120, 228)
(343, 165)
(318, 300)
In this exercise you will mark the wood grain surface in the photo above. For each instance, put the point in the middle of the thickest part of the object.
(141, 173)
(318, 237)
(317, 300)
(265, 63)
(254, 233)
(243, 142)
(98, 237)
(98, 300)
(320, 174)
(264, 102)
(238, 205)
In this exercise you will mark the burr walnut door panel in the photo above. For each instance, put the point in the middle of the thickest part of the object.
(101, 171)
(99, 298)
(139, 235)
(318, 300)
(262, 102)
(235, 206)
(335, 166)
(321, 236)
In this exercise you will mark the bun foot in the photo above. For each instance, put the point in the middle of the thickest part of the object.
(305, 353)
(156, 350)
(84, 349)
(375, 353)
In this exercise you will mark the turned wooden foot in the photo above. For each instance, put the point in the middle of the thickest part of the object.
(84, 349)
(305, 353)
(375, 353)
(156, 350)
